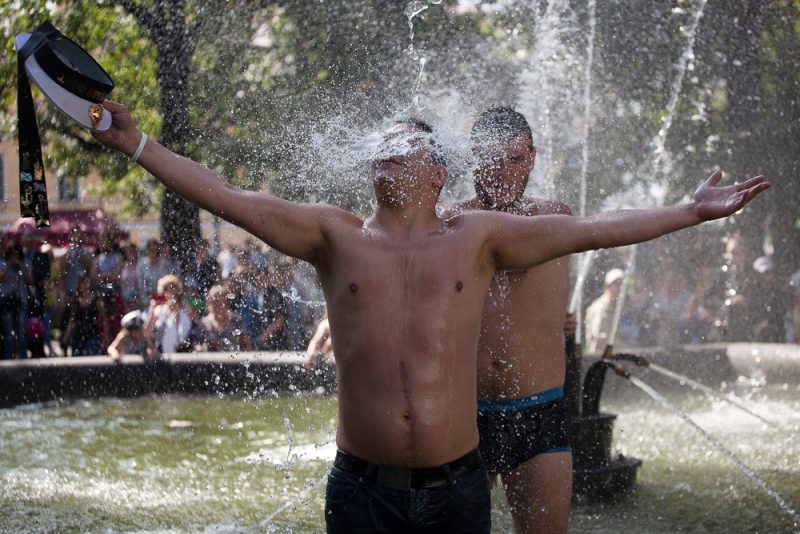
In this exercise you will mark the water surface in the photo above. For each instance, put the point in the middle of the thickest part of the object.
(203, 463)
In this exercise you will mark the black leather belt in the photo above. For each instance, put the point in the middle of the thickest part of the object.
(405, 478)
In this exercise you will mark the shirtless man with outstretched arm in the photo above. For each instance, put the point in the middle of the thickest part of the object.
(405, 293)
(522, 416)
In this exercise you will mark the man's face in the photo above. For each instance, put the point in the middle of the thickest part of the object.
(502, 171)
(404, 163)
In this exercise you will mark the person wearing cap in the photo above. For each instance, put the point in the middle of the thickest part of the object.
(405, 291)
(131, 339)
(600, 313)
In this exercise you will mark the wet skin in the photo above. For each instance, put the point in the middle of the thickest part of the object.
(405, 337)
(521, 345)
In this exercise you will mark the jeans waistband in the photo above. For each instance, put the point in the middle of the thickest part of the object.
(405, 478)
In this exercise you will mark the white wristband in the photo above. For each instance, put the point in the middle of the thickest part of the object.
(140, 148)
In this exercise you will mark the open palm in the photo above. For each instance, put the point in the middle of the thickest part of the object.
(715, 202)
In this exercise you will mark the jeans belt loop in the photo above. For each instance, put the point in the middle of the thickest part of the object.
(449, 472)
(368, 472)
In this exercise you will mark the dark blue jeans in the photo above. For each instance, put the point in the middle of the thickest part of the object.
(356, 504)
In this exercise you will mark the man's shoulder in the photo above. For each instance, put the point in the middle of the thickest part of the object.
(447, 211)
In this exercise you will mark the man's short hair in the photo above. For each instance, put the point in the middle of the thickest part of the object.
(437, 153)
(501, 123)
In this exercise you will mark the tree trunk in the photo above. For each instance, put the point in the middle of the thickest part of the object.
(180, 220)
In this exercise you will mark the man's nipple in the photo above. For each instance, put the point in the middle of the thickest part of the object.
(353, 288)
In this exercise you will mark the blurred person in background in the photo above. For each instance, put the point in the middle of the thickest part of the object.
(205, 269)
(299, 316)
(600, 313)
(15, 278)
(269, 331)
(320, 348)
(149, 270)
(769, 298)
(82, 334)
(227, 261)
(168, 323)
(77, 261)
(132, 340)
(129, 285)
(106, 272)
(222, 329)
(793, 315)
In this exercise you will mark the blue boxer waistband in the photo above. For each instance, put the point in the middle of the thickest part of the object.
(506, 405)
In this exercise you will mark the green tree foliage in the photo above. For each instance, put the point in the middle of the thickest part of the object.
(243, 86)
(114, 39)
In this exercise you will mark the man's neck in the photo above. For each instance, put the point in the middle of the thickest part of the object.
(518, 207)
(406, 220)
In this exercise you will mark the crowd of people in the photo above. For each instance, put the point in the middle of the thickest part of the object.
(90, 300)
(727, 293)
(116, 298)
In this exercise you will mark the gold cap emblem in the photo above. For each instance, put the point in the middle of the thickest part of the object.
(95, 115)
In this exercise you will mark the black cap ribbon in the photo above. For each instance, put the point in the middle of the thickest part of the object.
(32, 186)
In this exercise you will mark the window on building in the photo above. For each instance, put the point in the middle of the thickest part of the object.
(68, 189)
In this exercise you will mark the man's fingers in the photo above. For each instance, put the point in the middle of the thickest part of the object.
(715, 177)
(750, 193)
(113, 106)
(749, 183)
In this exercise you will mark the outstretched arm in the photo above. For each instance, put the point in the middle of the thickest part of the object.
(521, 242)
(292, 228)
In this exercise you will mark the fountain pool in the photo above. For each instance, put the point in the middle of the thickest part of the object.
(206, 464)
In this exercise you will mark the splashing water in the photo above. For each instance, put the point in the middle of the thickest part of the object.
(661, 162)
(290, 504)
(630, 267)
(719, 446)
(587, 105)
(576, 301)
(413, 9)
(341, 146)
(549, 86)
(711, 393)
(584, 264)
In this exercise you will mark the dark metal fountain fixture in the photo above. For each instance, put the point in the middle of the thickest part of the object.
(597, 476)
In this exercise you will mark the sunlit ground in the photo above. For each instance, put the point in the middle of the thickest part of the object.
(188, 464)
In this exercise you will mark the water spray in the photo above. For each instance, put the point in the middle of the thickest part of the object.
(290, 503)
(643, 362)
(630, 267)
(659, 160)
(741, 465)
(413, 9)
(576, 300)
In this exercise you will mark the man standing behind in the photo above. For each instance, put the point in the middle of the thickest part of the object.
(522, 417)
